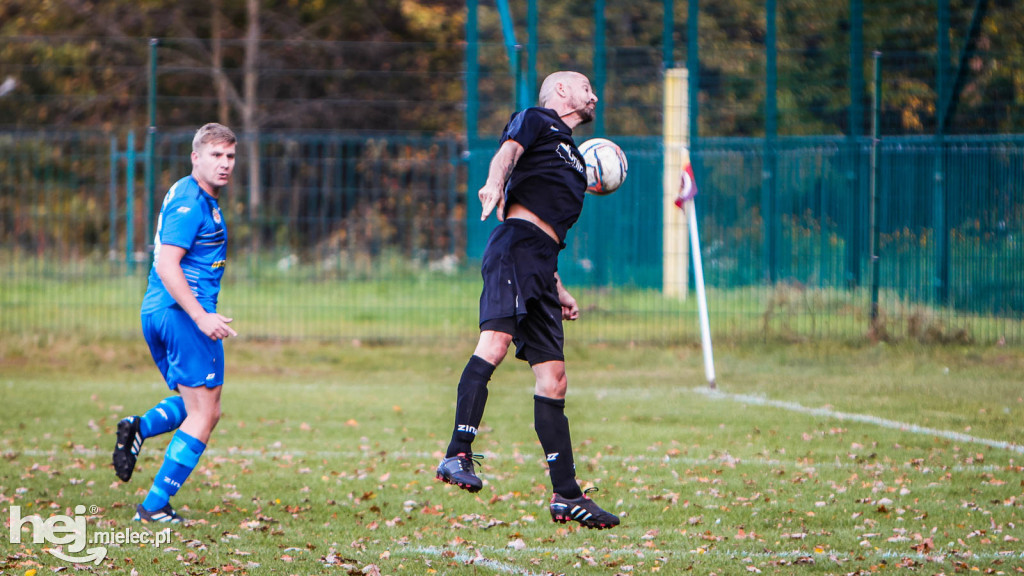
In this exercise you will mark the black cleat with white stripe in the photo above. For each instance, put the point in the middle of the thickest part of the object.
(582, 510)
(126, 451)
(165, 515)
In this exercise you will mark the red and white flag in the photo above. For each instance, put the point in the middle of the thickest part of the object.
(687, 185)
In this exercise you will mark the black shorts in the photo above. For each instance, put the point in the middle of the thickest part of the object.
(520, 295)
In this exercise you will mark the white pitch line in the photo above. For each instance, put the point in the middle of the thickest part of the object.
(477, 561)
(863, 418)
(712, 551)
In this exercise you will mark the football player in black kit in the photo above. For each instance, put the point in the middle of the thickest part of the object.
(536, 184)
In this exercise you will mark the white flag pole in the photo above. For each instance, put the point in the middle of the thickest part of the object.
(702, 301)
(687, 191)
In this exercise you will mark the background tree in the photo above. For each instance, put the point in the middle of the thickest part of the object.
(398, 65)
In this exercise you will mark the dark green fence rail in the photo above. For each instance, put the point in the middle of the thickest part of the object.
(376, 238)
(814, 232)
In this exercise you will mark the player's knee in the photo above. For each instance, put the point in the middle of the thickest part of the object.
(552, 387)
(493, 346)
(493, 356)
(210, 416)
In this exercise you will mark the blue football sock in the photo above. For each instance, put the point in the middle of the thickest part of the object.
(164, 417)
(181, 458)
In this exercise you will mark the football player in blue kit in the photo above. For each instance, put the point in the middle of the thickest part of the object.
(536, 185)
(181, 324)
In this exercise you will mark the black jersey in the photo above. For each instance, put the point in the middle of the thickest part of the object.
(549, 179)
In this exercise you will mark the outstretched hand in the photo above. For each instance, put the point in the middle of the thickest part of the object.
(492, 197)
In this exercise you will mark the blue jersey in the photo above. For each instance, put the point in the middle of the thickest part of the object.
(190, 218)
(549, 178)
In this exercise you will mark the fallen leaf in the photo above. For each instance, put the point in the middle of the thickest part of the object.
(925, 546)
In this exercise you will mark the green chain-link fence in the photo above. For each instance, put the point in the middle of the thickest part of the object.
(373, 238)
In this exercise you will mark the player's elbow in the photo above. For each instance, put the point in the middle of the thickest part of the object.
(165, 270)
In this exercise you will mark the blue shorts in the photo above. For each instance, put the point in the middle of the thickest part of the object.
(184, 355)
(520, 295)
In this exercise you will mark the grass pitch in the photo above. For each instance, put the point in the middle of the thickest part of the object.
(811, 459)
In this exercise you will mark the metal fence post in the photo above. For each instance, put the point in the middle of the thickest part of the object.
(150, 140)
(600, 71)
(876, 176)
(854, 242)
(668, 17)
(129, 219)
(768, 186)
(939, 223)
(531, 49)
(693, 88)
(113, 196)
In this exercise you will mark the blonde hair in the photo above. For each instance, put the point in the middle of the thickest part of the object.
(212, 133)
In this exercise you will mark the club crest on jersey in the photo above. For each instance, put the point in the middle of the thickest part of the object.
(565, 152)
(216, 215)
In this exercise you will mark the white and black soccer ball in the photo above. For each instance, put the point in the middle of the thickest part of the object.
(606, 165)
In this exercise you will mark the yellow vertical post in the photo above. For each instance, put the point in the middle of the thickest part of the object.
(676, 246)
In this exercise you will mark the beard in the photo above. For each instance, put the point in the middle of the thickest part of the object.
(586, 114)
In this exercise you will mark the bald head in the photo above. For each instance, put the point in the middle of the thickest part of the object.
(569, 93)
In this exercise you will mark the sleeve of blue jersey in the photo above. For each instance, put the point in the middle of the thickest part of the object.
(524, 127)
(180, 221)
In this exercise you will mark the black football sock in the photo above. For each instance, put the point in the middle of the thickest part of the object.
(469, 409)
(553, 431)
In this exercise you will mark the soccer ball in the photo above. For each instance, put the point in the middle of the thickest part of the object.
(606, 165)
